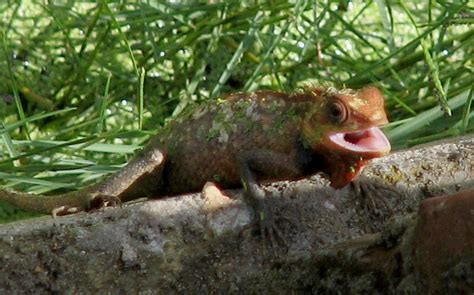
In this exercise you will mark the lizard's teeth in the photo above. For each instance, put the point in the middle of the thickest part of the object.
(365, 141)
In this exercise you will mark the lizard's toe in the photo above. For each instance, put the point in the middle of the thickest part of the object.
(103, 201)
(64, 210)
(268, 230)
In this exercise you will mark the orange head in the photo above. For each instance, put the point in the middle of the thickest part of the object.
(342, 126)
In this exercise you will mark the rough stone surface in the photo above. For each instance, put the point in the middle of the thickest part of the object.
(363, 237)
(443, 248)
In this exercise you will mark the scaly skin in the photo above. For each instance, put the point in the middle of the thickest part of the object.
(244, 138)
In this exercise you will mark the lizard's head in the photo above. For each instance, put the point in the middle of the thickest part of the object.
(342, 127)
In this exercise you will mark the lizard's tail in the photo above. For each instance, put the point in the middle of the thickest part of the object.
(44, 204)
(139, 178)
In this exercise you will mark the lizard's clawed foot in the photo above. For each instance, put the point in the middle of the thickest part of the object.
(103, 201)
(98, 202)
(377, 200)
(267, 228)
(64, 210)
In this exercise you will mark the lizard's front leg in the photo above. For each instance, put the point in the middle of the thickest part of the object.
(270, 163)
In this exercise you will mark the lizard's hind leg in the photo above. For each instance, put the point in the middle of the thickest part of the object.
(141, 177)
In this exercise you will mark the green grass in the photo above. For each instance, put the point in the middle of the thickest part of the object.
(84, 84)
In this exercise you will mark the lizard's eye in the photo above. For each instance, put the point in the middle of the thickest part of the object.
(337, 112)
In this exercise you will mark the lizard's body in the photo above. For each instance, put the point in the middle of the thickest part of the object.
(244, 138)
(225, 131)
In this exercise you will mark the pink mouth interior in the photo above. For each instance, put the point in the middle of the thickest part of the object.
(368, 140)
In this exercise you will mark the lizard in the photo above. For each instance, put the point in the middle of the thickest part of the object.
(242, 139)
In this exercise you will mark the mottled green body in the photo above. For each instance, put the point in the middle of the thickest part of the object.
(207, 146)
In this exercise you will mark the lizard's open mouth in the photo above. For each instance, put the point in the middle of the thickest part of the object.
(367, 141)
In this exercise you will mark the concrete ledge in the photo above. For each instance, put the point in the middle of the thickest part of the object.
(200, 243)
